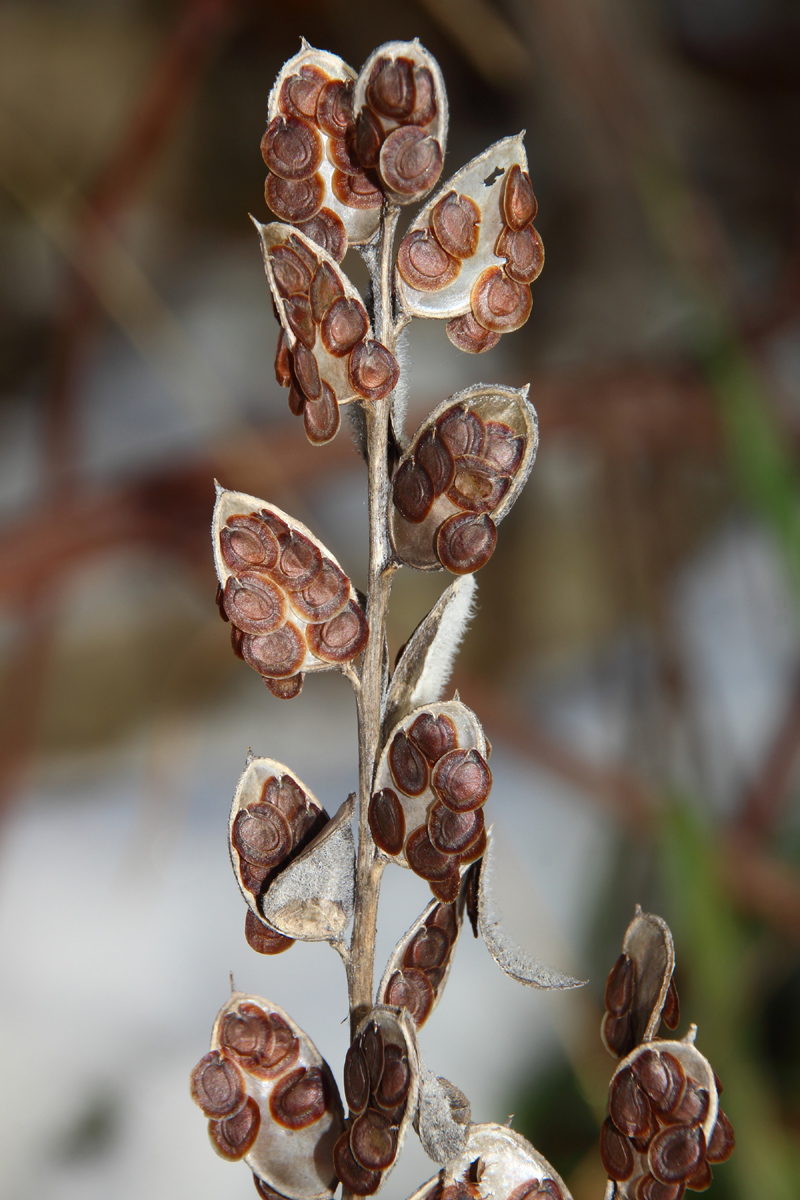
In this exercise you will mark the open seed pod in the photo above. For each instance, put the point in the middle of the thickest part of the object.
(270, 1098)
(462, 472)
(496, 1163)
(470, 256)
(432, 781)
(292, 608)
(419, 965)
(326, 355)
(664, 1127)
(381, 1086)
(315, 180)
(640, 991)
(400, 104)
(443, 1119)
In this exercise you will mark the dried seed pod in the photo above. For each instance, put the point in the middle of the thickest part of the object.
(288, 1088)
(424, 264)
(495, 1163)
(425, 952)
(294, 200)
(500, 304)
(523, 252)
(638, 993)
(466, 334)
(458, 530)
(410, 162)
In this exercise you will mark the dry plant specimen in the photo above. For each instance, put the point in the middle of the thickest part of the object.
(344, 152)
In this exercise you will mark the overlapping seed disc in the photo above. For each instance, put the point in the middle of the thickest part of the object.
(459, 476)
(262, 1080)
(291, 607)
(640, 990)
(417, 970)
(432, 781)
(496, 1163)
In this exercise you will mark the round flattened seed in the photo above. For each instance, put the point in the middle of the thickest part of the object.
(253, 603)
(278, 654)
(291, 147)
(537, 1189)
(281, 1052)
(651, 1069)
(350, 1173)
(671, 1012)
(298, 1100)
(676, 1152)
(245, 541)
(294, 199)
(299, 94)
(342, 154)
(411, 989)
(373, 1141)
(434, 457)
(372, 1044)
(619, 1034)
(670, 1099)
(423, 263)
(325, 596)
(473, 852)
(447, 889)
(425, 107)
(650, 1188)
(620, 986)
(344, 324)
(283, 361)
(519, 203)
(300, 562)
(502, 447)
(498, 303)
(465, 543)
(262, 939)
(387, 821)
(434, 736)
(466, 334)
(455, 221)
(262, 835)
(372, 370)
(722, 1142)
(616, 1152)
(454, 832)
(429, 947)
(391, 90)
(425, 860)
(462, 779)
(410, 161)
(628, 1106)
(321, 418)
(247, 1032)
(335, 107)
(326, 286)
(328, 231)
(462, 431)
(302, 251)
(412, 491)
(407, 765)
(217, 1085)
(693, 1106)
(286, 795)
(342, 638)
(306, 373)
(701, 1179)
(296, 399)
(523, 251)
(356, 1079)
(396, 1078)
(477, 486)
(292, 276)
(301, 322)
(253, 877)
(233, 1137)
(369, 136)
(285, 689)
(445, 917)
(356, 191)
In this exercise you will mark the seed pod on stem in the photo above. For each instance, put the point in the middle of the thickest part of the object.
(496, 1163)
(419, 966)
(640, 989)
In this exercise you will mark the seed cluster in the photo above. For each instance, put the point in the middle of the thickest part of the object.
(416, 982)
(653, 1136)
(377, 1080)
(455, 476)
(289, 604)
(469, 1188)
(395, 128)
(450, 782)
(624, 1020)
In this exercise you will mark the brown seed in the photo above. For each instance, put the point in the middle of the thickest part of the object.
(523, 251)
(671, 1012)
(299, 93)
(668, 1101)
(693, 1106)
(253, 877)
(412, 491)
(297, 401)
(218, 1085)
(328, 231)
(372, 1045)
(462, 779)
(454, 832)
(307, 256)
(326, 286)
(425, 105)
(285, 689)
(462, 431)
(279, 654)
(372, 370)
(246, 541)
(424, 859)
(373, 1141)
(335, 107)
(292, 276)
(301, 323)
(616, 1152)
(283, 361)
(298, 1100)
(247, 1032)
(262, 939)
(325, 596)
(350, 1173)
(473, 852)
(465, 543)
(502, 448)
(702, 1178)
(498, 303)
(628, 1105)
(411, 989)
(266, 1192)
(368, 138)
(342, 154)
(537, 1189)
(410, 161)
(619, 1034)
(476, 485)
(253, 602)
(342, 638)
(262, 835)
(445, 917)
(356, 1079)
(294, 199)
(434, 736)
(447, 889)
(650, 1188)
(676, 1152)
(344, 324)
(407, 765)
(281, 1051)
(237, 638)
(466, 334)
(291, 148)
(722, 1141)
(472, 895)
(391, 90)
(396, 1078)
(455, 221)
(387, 821)
(300, 562)
(424, 264)
(620, 986)
(429, 947)
(233, 1137)
(436, 460)
(321, 418)
(286, 795)
(519, 203)
(356, 191)
(306, 373)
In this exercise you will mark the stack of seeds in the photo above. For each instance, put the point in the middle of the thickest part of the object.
(418, 968)
(623, 1020)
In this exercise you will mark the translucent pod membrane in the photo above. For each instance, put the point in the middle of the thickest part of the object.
(326, 354)
(381, 1086)
(640, 991)
(463, 470)
(495, 1164)
(270, 1098)
(291, 607)
(315, 182)
(432, 781)
(419, 965)
(664, 1128)
(473, 252)
(400, 105)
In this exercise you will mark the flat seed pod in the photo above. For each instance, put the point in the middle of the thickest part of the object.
(458, 529)
(426, 950)
(290, 1113)
(495, 1163)
(638, 984)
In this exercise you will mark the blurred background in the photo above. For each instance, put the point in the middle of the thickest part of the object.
(636, 654)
